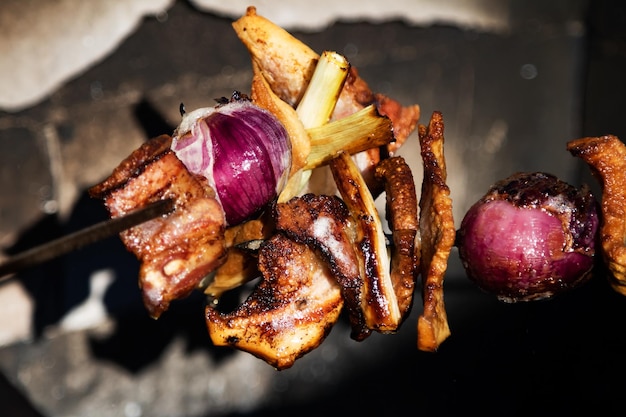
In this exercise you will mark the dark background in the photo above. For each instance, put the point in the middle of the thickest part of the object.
(561, 356)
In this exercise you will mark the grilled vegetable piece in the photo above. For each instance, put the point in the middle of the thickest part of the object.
(356, 95)
(241, 149)
(361, 131)
(316, 107)
(178, 250)
(437, 234)
(606, 157)
(289, 313)
(531, 236)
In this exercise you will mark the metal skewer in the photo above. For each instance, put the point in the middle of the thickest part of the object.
(84, 237)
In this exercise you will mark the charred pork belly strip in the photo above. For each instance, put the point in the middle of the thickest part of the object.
(402, 218)
(437, 234)
(289, 313)
(379, 303)
(178, 250)
(606, 158)
(324, 223)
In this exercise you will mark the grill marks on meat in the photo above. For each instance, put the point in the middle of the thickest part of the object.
(291, 310)
(606, 158)
(437, 234)
(401, 200)
(379, 303)
(318, 261)
(178, 250)
(324, 223)
(348, 242)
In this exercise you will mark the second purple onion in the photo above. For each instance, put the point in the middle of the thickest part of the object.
(530, 237)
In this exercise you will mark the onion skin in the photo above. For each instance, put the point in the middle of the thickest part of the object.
(532, 236)
(242, 150)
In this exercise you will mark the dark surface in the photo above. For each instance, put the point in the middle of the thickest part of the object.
(558, 357)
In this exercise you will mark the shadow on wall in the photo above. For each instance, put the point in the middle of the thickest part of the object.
(61, 285)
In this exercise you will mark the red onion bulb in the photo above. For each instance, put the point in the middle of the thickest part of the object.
(530, 237)
(241, 149)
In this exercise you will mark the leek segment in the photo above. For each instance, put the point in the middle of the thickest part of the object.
(316, 107)
(365, 129)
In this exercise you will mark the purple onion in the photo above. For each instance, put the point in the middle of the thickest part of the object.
(241, 149)
(532, 236)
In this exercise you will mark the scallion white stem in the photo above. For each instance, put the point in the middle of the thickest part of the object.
(317, 106)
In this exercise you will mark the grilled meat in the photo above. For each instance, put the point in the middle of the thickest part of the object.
(289, 313)
(437, 234)
(606, 157)
(401, 212)
(178, 250)
(324, 223)
(241, 261)
(288, 63)
(379, 303)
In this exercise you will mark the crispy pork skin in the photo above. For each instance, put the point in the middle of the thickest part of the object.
(379, 302)
(178, 250)
(324, 223)
(401, 203)
(437, 234)
(289, 313)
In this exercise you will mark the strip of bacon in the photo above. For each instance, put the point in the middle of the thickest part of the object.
(401, 213)
(606, 157)
(289, 313)
(178, 250)
(379, 304)
(437, 233)
(324, 223)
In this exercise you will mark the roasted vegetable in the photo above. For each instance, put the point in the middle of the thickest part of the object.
(532, 236)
